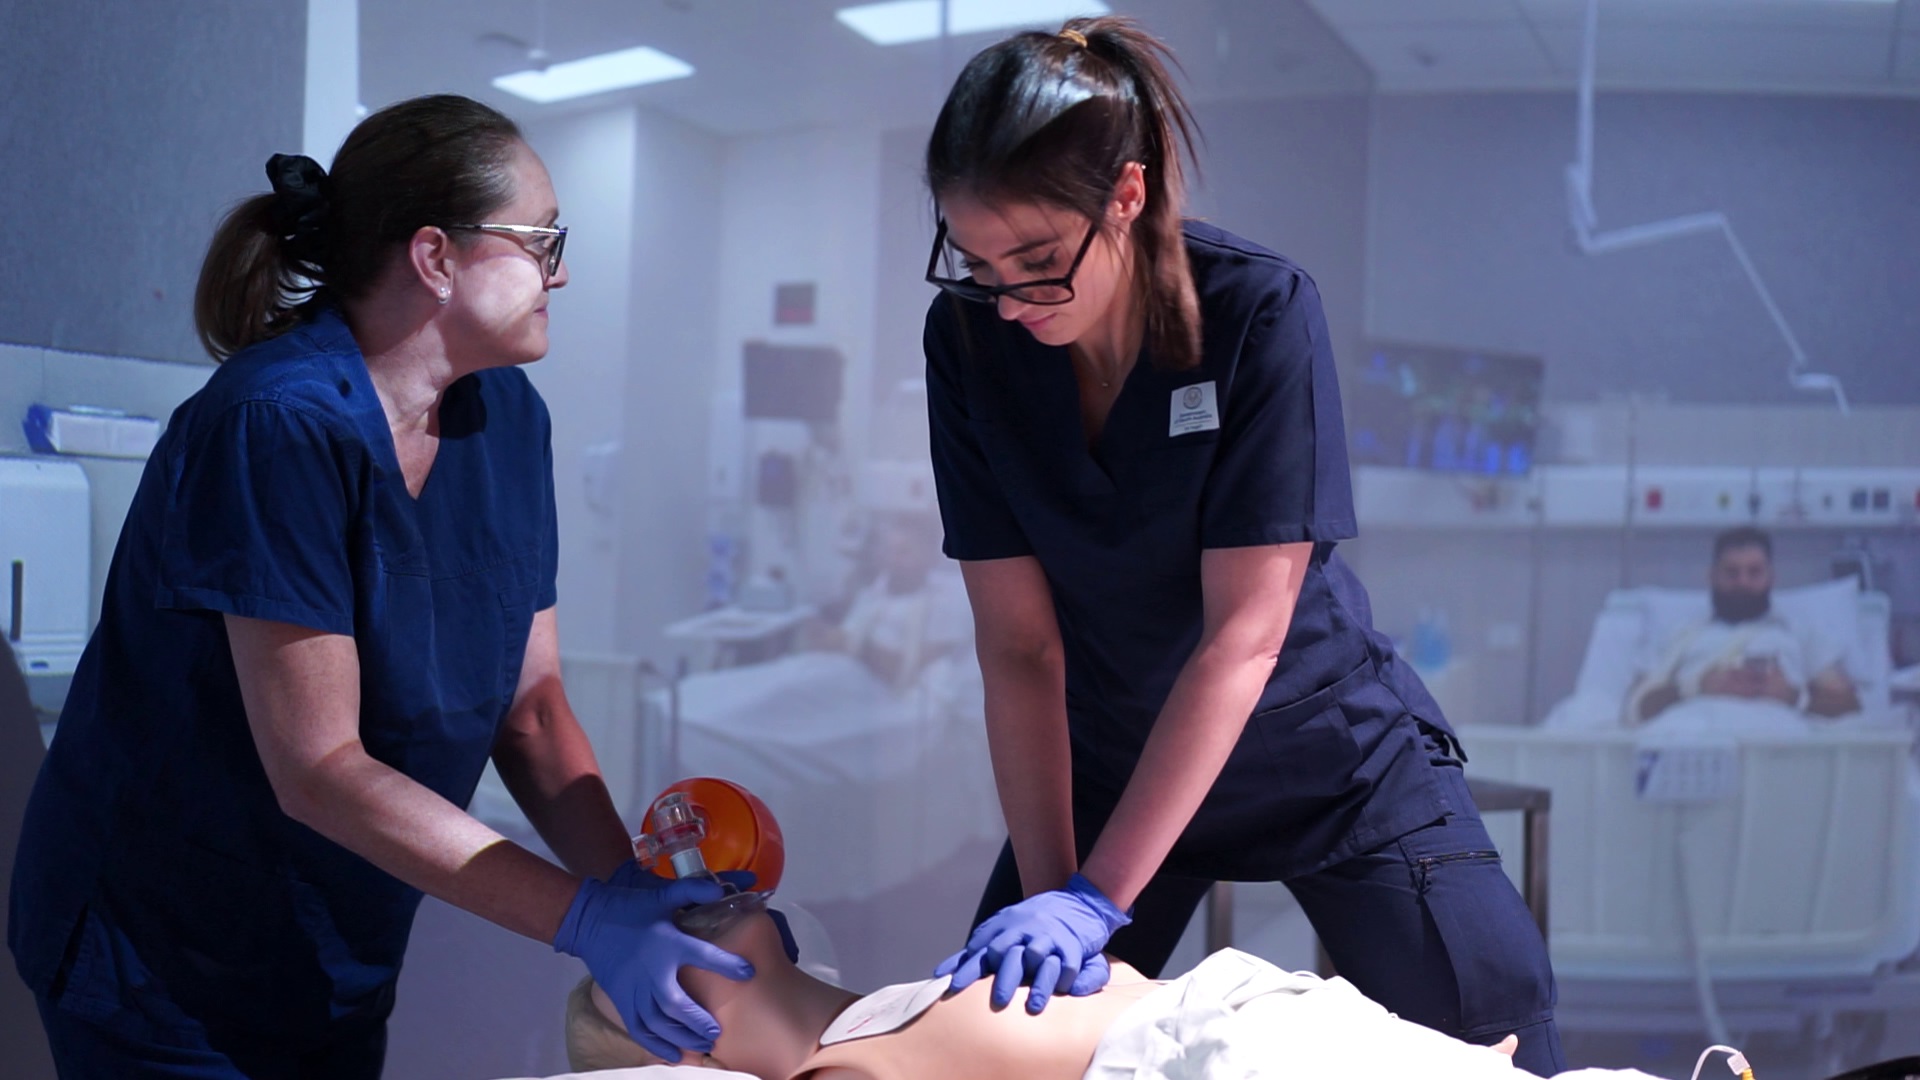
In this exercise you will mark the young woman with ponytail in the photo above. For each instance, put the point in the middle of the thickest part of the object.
(332, 602)
(1137, 443)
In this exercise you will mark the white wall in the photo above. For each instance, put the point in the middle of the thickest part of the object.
(799, 207)
(584, 376)
(671, 300)
(332, 103)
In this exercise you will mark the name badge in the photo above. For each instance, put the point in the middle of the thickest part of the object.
(888, 1009)
(1194, 408)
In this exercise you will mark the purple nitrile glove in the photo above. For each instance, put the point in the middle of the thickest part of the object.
(626, 935)
(630, 871)
(1051, 940)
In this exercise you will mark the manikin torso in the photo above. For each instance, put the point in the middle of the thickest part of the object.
(964, 1037)
(771, 1025)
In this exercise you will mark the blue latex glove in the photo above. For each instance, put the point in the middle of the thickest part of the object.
(629, 872)
(1051, 940)
(626, 935)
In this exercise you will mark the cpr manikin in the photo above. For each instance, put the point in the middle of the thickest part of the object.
(774, 1025)
(771, 1025)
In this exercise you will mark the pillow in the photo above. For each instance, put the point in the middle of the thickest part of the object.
(1830, 609)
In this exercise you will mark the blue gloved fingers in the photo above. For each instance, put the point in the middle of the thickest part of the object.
(969, 966)
(672, 1017)
(1044, 982)
(739, 879)
(683, 891)
(677, 1014)
(661, 1034)
(1072, 959)
(950, 965)
(1093, 975)
(1011, 973)
(787, 944)
(984, 934)
(710, 957)
(1006, 939)
(631, 875)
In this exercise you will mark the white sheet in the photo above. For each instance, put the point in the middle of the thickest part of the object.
(1236, 1017)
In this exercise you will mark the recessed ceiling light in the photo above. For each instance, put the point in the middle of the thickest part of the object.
(898, 22)
(595, 75)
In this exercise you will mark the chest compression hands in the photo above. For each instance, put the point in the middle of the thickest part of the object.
(1051, 940)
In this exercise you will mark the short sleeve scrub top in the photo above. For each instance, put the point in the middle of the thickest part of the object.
(1245, 449)
(157, 877)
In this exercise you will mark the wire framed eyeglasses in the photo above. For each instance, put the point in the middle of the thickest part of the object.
(553, 240)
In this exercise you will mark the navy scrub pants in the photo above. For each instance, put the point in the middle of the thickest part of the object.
(1428, 925)
(128, 1047)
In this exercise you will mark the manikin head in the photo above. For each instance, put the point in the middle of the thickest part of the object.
(768, 1024)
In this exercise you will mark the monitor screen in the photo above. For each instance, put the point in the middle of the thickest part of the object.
(792, 382)
(1433, 407)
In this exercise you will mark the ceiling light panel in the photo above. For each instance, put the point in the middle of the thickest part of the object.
(898, 22)
(595, 75)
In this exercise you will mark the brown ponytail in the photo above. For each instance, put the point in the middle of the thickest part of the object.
(1052, 118)
(249, 289)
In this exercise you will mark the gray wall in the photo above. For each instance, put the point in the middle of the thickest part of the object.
(1291, 175)
(1469, 242)
(676, 280)
(128, 128)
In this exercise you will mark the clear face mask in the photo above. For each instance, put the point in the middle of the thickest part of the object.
(678, 827)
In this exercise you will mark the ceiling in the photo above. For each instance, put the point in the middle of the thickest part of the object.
(1774, 46)
(776, 65)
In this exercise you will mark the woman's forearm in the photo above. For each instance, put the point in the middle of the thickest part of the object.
(409, 831)
(1026, 708)
(549, 767)
(1196, 731)
(1250, 595)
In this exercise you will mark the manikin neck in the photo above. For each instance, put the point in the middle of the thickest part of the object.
(771, 1023)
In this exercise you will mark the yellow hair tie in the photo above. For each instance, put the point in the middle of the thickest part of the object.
(1075, 36)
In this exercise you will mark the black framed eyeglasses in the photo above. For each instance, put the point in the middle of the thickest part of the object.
(1043, 292)
(553, 240)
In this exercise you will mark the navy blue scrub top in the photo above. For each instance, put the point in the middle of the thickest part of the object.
(1245, 449)
(155, 855)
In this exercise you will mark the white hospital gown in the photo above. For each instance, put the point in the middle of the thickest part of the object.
(914, 625)
(1801, 652)
(1237, 1017)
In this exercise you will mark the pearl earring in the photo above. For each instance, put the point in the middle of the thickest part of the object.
(445, 294)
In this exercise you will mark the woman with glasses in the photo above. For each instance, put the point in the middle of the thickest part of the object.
(332, 602)
(1137, 443)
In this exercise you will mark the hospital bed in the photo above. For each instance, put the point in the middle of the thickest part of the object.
(873, 783)
(1734, 850)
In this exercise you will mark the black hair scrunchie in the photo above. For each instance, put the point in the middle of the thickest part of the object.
(301, 190)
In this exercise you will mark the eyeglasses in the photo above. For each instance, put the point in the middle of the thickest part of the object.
(553, 240)
(1041, 291)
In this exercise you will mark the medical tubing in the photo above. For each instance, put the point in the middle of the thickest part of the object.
(1736, 1061)
(1690, 921)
